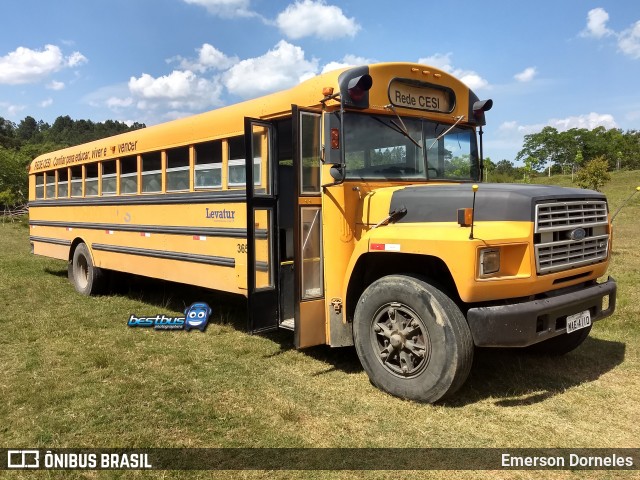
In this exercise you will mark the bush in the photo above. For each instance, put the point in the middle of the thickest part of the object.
(595, 174)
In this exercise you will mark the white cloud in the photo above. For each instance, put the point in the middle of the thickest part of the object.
(209, 58)
(75, 59)
(347, 61)
(308, 18)
(597, 24)
(526, 75)
(225, 8)
(282, 67)
(115, 103)
(12, 110)
(24, 65)
(470, 78)
(46, 103)
(629, 41)
(589, 121)
(54, 85)
(178, 90)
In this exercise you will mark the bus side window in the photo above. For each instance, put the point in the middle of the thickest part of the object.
(151, 172)
(129, 175)
(237, 174)
(76, 181)
(39, 185)
(208, 169)
(63, 183)
(91, 179)
(50, 185)
(178, 169)
(109, 177)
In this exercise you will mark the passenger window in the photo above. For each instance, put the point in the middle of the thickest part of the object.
(129, 175)
(208, 169)
(109, 179)
(40, 185)
(151, 172)
(50, 185)
(237, 174)
(63, 183)
(91, 180)
(76, 181)
(237, 154)
(178, 169)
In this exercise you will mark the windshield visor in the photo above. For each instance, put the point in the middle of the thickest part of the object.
(377, 147)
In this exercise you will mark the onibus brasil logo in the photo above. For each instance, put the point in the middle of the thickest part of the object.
(196, 316)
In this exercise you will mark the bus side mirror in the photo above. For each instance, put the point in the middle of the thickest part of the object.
(337, 173)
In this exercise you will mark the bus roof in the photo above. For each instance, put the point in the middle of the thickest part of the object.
(229, 120)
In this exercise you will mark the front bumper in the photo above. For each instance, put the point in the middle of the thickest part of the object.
(523, 324)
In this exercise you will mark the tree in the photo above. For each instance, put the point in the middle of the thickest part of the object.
(27, 129)
(8, 134)
(540, 148)
(528, 169)
(594, 174)
(489, 168)
(22, 143)
(13, 177)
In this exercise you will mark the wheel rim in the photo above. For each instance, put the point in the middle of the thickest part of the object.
(81, 273)
(401, 340)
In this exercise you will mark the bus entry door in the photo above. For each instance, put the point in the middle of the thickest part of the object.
(262, 226)
(310, 324)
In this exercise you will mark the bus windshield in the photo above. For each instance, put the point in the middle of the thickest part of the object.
(376, 148)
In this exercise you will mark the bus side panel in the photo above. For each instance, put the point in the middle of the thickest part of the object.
(200, 244)
(61, 252)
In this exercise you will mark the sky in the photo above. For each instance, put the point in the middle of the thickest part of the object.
(567, 63)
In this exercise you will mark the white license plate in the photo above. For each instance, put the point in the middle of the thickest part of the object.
(578, 321)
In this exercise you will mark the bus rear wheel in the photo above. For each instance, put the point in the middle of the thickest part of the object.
(412, 339)
(86, 278)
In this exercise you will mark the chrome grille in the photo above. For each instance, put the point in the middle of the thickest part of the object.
(570, 234)
(563, 215)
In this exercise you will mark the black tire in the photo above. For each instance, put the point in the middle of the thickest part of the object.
(412, 339)
(561, 344)
(86, 278)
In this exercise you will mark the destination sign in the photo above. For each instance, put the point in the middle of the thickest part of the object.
(421, 97)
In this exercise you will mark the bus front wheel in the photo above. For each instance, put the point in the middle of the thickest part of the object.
(412, 339)
(86, 278)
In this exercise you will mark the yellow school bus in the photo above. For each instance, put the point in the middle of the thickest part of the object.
(348, 209)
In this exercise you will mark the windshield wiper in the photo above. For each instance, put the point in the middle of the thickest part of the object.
(458, 120)
(402, 128)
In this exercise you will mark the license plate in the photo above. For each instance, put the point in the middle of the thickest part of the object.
(578, 321)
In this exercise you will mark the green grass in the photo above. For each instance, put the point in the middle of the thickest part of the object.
(75, 375)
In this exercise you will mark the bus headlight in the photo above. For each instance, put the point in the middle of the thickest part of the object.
(489, 261)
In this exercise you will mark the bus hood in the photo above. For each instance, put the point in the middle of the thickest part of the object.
(440, 203)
